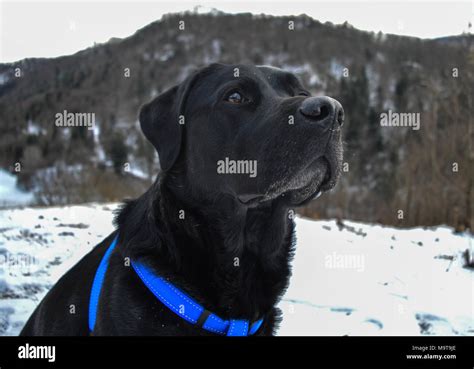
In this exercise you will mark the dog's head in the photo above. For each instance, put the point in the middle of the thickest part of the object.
(250, 132)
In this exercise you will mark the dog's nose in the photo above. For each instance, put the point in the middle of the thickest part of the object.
(323, 110)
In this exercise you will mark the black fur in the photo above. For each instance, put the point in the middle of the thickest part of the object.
(232, 249)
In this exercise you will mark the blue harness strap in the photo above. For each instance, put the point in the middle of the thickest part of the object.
(174, 299)
(238, 328)
(97, 284)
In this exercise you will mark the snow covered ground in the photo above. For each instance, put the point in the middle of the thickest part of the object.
(349, 279)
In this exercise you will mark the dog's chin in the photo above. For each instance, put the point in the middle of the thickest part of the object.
(316, 179)
(309, 183)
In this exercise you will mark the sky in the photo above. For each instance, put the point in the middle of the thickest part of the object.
(39, 28)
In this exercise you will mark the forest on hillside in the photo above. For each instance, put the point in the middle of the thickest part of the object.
(392, 175)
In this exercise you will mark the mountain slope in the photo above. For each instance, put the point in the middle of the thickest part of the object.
(369, 73)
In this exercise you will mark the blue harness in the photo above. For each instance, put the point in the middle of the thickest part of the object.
(176, 300)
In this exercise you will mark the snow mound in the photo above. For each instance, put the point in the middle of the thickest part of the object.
(10, 194)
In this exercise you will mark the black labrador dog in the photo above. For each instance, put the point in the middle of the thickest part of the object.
(239, 147)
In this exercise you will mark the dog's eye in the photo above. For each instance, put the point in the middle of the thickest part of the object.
(236, 98)
(303, 93)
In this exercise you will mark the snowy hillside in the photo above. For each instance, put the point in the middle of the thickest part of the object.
(349, 279)
(10, 194)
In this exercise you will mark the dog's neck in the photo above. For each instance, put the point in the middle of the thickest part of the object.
(233, 258)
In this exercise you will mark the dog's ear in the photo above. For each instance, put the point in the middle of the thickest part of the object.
(162, 119)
